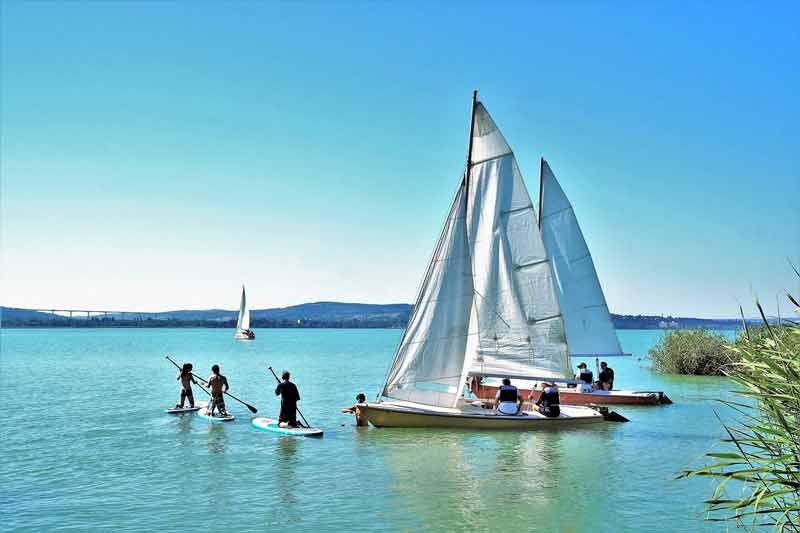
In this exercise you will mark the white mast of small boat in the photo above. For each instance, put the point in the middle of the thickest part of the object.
(243, 331)
(487, 304)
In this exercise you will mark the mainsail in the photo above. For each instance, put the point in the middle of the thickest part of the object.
(243, 324)
(518, 319)
(580, 296)
(487, 303)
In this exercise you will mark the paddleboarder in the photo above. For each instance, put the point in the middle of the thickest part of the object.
(361, 417)
(289, 398)
(217, 382)
(186, 379)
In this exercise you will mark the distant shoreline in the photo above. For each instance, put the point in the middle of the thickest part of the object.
(329, 315)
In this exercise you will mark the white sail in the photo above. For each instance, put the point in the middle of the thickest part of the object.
(487, 302)
(429, 361)
(517, 316)
(586, 317)
(243, 324)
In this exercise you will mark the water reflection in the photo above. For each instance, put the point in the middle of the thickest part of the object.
(285, 479)
(487, 478)
(217, 438)
(184, 423)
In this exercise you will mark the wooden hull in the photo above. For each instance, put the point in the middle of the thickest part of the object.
(399, 415)
(573, 397)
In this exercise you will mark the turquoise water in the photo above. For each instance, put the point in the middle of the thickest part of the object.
(86, 444)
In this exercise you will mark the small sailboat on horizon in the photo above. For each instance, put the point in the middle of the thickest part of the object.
(243, 331)
(487, 302)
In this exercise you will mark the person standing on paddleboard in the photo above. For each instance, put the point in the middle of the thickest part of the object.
(289, 398)
(186, 378)
(216, 382)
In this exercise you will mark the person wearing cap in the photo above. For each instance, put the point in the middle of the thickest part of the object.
(548, 401)
(508, 399)
(585, 376)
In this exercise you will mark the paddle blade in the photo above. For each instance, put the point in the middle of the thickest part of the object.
(252, 409)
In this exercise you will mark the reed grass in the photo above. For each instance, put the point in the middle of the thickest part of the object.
(764, 439)
(695, 352)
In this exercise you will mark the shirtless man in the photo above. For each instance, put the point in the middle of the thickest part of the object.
(186, 378)
(216, 382)
(361, 418)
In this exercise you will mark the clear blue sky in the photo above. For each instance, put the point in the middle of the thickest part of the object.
(156, 155)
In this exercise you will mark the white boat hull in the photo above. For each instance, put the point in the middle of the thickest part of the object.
(411, 415)
(242, 336)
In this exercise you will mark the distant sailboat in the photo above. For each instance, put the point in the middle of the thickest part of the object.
(589, 329)
(243, 331)
(487, 305)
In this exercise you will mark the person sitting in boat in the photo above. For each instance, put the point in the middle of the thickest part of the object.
(585, 376)
(361, 418)
(218, 384)
(606, 377)
(508, 398)
(250, 334)
(289, 398)
(186, 378)
(548, 401)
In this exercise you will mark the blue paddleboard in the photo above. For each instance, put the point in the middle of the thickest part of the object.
(268, 424)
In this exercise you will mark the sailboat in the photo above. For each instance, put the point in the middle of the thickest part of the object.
(589, 330)
(243, 331)
(487, 304)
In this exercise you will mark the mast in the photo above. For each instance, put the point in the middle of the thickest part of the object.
(541, 190)
(465, 366)
(469, 151)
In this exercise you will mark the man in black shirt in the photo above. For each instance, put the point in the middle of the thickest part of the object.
(289, 398)
(606, 376)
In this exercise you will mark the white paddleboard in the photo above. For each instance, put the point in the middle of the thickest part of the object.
(187, 409)
(268, 424)
(202, 413)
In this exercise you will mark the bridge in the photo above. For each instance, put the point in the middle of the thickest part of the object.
(99, 314)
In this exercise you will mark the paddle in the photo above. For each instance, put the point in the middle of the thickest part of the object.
(298, 410)
(252, 409)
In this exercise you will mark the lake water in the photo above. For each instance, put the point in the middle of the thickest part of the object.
(86, 444)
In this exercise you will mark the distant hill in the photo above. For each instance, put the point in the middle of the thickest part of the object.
(308, 315)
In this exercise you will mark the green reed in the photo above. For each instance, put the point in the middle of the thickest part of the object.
(764, 438)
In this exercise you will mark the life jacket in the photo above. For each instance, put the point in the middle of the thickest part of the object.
(586, 375)
(508, 393)
(549, 396)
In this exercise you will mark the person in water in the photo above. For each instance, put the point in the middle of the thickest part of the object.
(606, 377)
(289, 398)
(218, 384)
(508, 399)
(186, 379)
(548, 401)
(361, 418)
